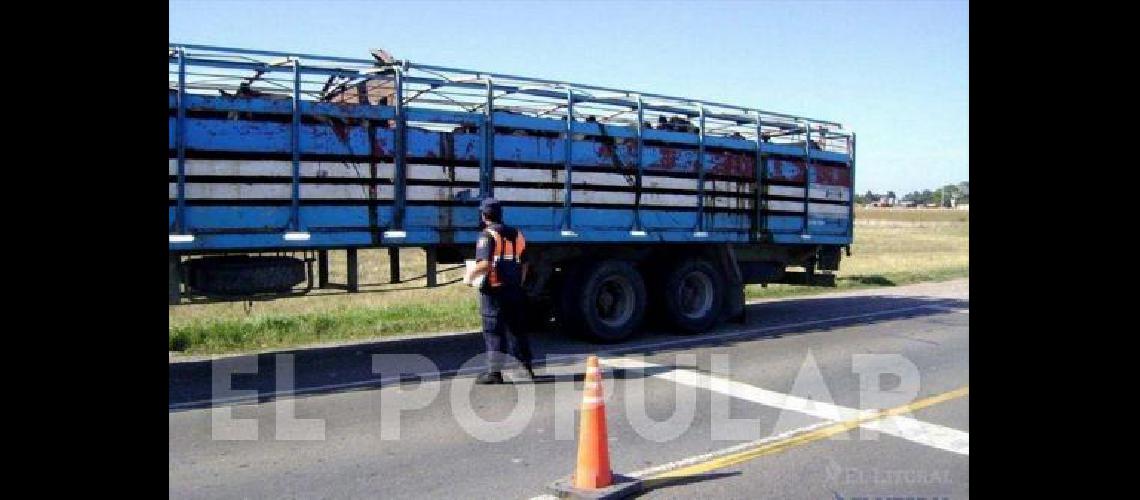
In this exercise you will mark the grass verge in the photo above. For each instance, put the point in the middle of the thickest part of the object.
(273, 331)
(855, 282)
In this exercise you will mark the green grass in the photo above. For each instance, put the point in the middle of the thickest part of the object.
(882, 255)
(200, 336)
(913, 214)
(853, 282)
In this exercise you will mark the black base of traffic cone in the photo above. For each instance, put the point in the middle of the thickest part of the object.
(623, 486)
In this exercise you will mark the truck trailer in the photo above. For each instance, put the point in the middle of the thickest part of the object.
(630, 201)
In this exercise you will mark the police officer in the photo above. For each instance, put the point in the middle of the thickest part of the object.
(499, 254)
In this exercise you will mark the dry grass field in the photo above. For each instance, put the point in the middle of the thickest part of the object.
(892, 247)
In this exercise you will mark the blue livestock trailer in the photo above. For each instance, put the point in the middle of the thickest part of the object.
(629, 200)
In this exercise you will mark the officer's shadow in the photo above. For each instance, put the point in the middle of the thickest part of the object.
(608, 373)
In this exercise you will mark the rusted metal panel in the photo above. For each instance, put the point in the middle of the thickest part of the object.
(831, 175)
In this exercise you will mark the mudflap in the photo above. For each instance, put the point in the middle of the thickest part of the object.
(734, 304)
(733, 309)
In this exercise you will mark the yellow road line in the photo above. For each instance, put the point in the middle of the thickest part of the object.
(799, 439)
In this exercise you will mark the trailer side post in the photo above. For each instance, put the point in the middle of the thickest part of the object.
(851, 175)
(640, 164)
(400, 181)
(700, 229)
(394, 264)
(175, 279)
(180, 138)
(487, 166)
(353, 284)
(759, 178)
(431, 269)
(295, 145)
(322, 268)
(807, 179)
(312, 278)
(568, 164)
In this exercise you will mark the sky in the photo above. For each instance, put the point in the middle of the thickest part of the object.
(895, 72)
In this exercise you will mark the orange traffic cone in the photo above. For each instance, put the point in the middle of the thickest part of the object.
(593, 470)
(592, 476)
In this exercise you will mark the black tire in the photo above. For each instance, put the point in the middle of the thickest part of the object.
(566, 303)
(610, 301)
(693, 295)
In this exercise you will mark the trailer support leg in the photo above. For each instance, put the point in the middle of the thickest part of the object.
(353, 286)
(322, 268)
(431, 274)
(309, 273)
(175, 280)
(394, 264)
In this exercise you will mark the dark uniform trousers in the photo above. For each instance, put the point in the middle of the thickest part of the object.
(503, 329)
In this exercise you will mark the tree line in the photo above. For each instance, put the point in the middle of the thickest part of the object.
(959, 192)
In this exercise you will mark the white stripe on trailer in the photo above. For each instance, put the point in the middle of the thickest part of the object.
(537, 175)
(657, 182)
(530, 175)
(785, 206)
(507, 194)
(669, 200)
(833, 211)
(557, 175)
(272, 168)
(321, 169)
(256, 191)
(785, 191)
(284, 191)
(833, 193)
(581, 196)
(821, 209)
(440, 193)
(734, 203)
(818, 192)
(424, 172)
(421, 172)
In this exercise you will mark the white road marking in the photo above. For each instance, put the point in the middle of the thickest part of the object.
(908, 428)
(730, 334)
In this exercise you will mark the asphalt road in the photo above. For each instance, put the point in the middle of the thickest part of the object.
(458, 445)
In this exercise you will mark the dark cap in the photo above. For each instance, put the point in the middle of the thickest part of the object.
(490, 206)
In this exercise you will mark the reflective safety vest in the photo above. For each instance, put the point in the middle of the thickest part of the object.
(506, 258)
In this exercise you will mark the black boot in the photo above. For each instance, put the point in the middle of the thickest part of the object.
(489, 378)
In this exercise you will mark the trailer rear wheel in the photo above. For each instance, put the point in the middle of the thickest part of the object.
(693, 298)
(607, 300)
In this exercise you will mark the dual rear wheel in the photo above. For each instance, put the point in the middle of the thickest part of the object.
(608, 300)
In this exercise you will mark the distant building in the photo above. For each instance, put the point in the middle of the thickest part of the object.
(885, 201)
